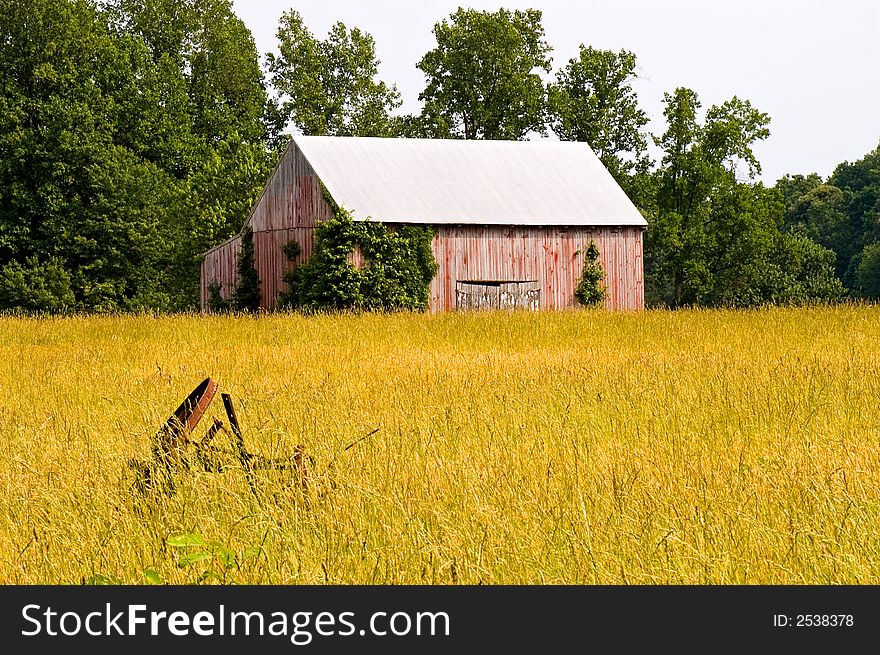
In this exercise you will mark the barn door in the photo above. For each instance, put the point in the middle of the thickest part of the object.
(477, 295)
(490, 294)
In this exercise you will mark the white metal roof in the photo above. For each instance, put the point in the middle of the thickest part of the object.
(445, 181)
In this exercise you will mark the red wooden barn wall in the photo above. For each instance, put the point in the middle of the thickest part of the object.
(293, 202)
(288, 209)
(554, 256)
(219, 266)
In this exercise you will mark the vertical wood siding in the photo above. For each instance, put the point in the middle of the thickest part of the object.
(552, 256)
(288, 209)
(219, 266)
(292, 203)
(271, 262)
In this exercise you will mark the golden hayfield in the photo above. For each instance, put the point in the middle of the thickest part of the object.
(573, 447)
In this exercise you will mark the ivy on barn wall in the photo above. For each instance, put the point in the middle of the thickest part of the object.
(246, 295)
(396, 272)
(590, 290)
(216, 301)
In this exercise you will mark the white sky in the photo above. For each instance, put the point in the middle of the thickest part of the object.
(813, 65)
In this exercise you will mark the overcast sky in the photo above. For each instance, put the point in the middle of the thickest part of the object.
(813, 65)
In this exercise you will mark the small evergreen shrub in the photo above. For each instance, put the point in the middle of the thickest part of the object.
(216, 302)
(246, 295)
(590, 290)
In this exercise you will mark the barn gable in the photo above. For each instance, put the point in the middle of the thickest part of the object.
(513, 218)
(289, 207)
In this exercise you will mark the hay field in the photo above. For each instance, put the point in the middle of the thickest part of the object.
(574, 447)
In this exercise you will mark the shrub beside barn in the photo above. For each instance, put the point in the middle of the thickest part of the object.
(513, 219)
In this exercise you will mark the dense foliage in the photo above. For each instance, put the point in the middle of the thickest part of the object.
(392, 270)
(131, 140)
(593, 101)
(841, 213)
(136, 134)
(714, 239)
(330, 86)
(484, 75)
(246, 293)
(590, 290)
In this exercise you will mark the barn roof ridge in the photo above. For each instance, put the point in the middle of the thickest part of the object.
(451, 181)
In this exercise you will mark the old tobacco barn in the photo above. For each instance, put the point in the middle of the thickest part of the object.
(513, 218)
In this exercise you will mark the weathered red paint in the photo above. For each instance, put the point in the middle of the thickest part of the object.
(288, 209)
(553, 256)
(293, 202)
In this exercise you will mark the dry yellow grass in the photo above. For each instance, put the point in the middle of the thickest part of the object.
(576, 447)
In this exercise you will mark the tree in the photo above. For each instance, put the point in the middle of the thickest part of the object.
(868, 271)
(593, 101)
(329, 87)
(219, 126)
(206, 45)
(699, 163)
(132, 138)
(82, 212)
(820, 215)
(860, 184)
(841, 213)
(484, 77)
(792, 187)
(246, 294)
(590, 290)
(715, 237)
(799, 271)
(227, 91)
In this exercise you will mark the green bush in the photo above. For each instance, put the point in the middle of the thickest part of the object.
(36, 286)
(246, 295)
(398, 266)
(590, 290)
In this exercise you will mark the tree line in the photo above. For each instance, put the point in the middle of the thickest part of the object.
(136, 134)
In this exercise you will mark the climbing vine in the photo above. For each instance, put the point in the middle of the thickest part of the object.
(591, 290)
(246, 294)
(216, 301)
(395, 269)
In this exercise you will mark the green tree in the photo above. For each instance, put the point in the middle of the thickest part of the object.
(714, 237)
(698, 162)
(860, 183)
(792, 187)
(206, 45)
(330, 87)
(593, 100)
(484, 78)
(80, 204)
(132, 137)
(799, 271)
(590, 290)
(868, 271)
(820, 214)
(841, 213)
(246, 294)
(219, 127)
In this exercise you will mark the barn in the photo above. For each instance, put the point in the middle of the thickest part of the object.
(513, 218)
